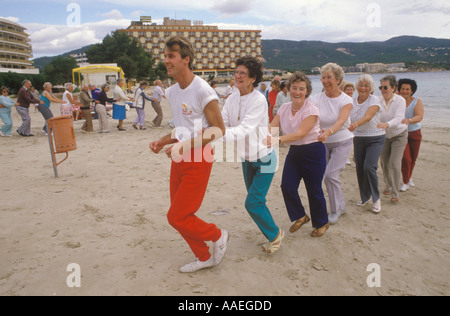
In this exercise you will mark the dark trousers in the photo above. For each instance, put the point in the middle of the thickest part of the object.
(46, 113)
(307, 162)
(367, 154)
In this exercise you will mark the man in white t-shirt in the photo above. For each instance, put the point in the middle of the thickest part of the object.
(198, 122)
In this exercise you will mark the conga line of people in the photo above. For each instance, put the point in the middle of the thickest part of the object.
(320, 129)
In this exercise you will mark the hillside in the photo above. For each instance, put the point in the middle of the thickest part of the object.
(305, 55)
(41, 62)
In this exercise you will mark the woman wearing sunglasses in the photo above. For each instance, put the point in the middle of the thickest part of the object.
(393, 113)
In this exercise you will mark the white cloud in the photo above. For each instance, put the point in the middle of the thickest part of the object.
(48, 40)
(325, 20)
(229, 7)
(114, 14)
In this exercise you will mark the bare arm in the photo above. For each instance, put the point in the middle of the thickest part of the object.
(342, 118)
(367, 117)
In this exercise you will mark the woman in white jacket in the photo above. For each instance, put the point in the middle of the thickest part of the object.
(140, 96)
(246, 120)
(393, 113)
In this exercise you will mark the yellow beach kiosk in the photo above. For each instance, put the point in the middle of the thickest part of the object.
(97, 74)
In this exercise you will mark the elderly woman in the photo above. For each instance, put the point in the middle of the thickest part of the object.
(67, 107)
(6, 103)
(246, 120)
(414, 115)
(101, 109)
(272, 96)
(299, 123)
(48, 97)
(282, 98)
(368, 142)
(393, 113)
(119, 107)
(334, 107)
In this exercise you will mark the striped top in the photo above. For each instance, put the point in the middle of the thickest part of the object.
(359, 111)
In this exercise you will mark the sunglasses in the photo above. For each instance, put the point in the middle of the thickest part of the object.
(384, 88)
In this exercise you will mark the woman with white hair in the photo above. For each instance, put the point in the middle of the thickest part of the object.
(369, 140)
(334, 107)
(48, 97)
(69, 100)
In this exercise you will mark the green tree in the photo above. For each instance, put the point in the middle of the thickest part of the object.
(59, 70)
(126, 52)
(161, 71)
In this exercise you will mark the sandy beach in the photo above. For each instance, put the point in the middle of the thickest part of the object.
(107, 213)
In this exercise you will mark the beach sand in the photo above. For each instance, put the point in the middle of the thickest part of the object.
(107, 213)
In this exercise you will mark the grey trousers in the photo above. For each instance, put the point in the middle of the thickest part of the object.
(46, 114)
(367, 155)
(337, 155)
(24, 113)
(103, 125)
(391, 162)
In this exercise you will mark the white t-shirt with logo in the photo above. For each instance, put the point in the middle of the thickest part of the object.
(329, 109)
(188, 107)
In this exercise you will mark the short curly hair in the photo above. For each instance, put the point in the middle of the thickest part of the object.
(411, 82)
(254, 66)
(298, 76)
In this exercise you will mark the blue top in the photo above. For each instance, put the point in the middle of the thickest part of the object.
(410, 113)
(46, 100)
(6, 101)
(95, 94)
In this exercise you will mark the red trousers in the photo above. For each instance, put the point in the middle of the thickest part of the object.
(411, 154)
(188, 183)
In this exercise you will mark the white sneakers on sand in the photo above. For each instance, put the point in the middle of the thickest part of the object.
(219, 251)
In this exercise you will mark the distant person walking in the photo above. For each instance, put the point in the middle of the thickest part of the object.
(24, 99)
(6, 103)
(69, 100)
(158, 95)
(48, 97)
(103, 126)
(119, 106)
(140, 97)
(86, 102)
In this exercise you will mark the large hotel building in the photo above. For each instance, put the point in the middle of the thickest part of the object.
(15, 49)
(216, 50)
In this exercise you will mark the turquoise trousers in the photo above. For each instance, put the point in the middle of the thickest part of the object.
(258, 178)
(5, 115)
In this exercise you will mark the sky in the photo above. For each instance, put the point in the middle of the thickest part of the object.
(60, 26)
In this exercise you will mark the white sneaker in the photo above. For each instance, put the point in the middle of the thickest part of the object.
(1, 134)
(197, 265)
(220, 247)
(404, 188)
(411, 183)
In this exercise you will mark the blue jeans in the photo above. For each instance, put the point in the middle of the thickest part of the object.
(307, 162)
(258, 178)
